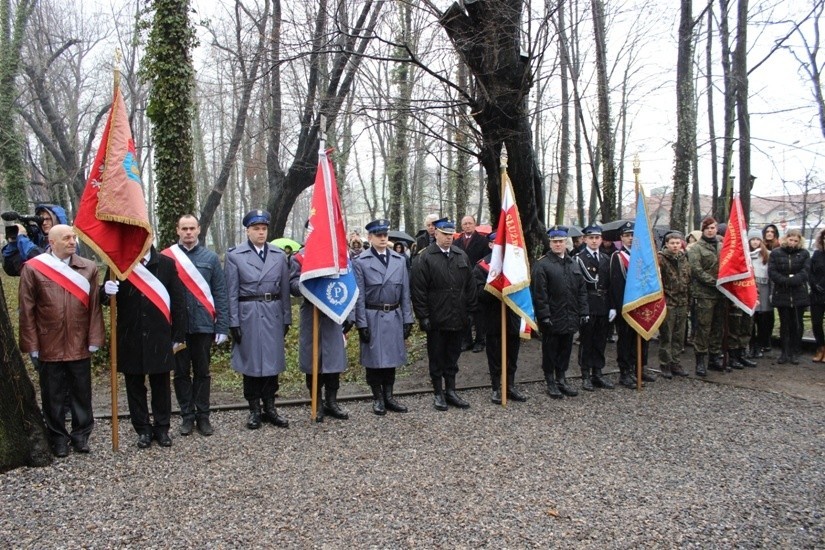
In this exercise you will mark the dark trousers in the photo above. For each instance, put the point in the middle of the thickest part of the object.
(443, 351)
(493, 350)
(479, 322)
(593, 337)
(192, 380)
(790, 328)
(817, 314)
(380, 377)
(139, 407)
(328, 380)
(57, 380)
(626, 346)
(764, 327)
(555, 354)
(259, 387)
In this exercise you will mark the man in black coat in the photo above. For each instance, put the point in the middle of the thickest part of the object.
(560, 303)
(426, 236)
(443, 296)
(595, 267)
(476, 246)
(626, 336)
(489, 309)
(151, 325)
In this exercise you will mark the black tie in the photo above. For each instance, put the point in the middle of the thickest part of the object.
(596, 256)
(261, 255)
(383, 258)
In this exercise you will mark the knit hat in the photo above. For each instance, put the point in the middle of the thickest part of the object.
(754, 234)
(708, 221)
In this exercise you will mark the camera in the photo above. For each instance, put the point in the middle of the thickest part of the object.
(30, 220)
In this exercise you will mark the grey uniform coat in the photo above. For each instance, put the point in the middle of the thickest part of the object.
(261, 351)
(388, 285)
(331, 347)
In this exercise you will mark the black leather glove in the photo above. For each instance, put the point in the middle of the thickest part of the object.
(583, 320)
(545, 325)
(424, 324)
(347, 326)
(237, 335)
(364, 335)
(407, 330)
(286, 329)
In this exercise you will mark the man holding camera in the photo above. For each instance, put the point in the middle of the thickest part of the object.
(61, 325)
(31, 237)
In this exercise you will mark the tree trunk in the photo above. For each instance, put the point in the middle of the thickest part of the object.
(721, 212)
(23, 440)
(740, 71)
(686, 120)
(714, 155)
(398, 166)
(564, 139)
(487, 39)
(609, 199)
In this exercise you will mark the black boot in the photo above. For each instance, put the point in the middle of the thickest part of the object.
(715, 362)
(495, 395)
(664, 368)
(564, 387)
(734, 361)
(627, 379)
(439, 402)
(378, 406)
(647, 375)
(390, 403)
(331, 406)
(745, 360)
(254, 420)
(512, 391)
(600, 381)
(271, 414)
(552, 388)
(701, 369)
(452, 397)
(587, 382)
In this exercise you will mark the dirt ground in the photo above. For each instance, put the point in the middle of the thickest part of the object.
(804, 381)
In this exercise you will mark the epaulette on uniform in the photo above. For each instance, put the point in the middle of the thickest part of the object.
(231, 248)
(542, 257)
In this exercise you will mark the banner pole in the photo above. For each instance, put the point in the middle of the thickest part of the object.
(113, 366)
(503, 354)
(638, 361)
(315, 330)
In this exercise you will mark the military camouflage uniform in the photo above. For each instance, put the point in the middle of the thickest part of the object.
(675, 271)
(710, 303)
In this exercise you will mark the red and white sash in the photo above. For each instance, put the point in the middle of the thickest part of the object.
(192, 278)
(69, 279)
(152, 288)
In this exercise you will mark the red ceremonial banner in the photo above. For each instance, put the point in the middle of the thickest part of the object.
(736, 280)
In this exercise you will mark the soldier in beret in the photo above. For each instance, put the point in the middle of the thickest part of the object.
(560, 303)
(383, 315)
(443, 297)
(260, 313)
(595, 267)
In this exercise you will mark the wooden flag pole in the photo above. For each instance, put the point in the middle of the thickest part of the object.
(503, 354)
(638, 361)
(315, 330)
(113, 365)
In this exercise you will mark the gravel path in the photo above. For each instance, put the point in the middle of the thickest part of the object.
(682, 464)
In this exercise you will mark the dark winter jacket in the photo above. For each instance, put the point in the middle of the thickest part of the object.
(816, 277)
(443, 289)
(788, 269)
(559, 293)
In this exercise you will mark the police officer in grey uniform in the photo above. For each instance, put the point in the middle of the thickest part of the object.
(332, 352)
(383, 315)
(257, 282)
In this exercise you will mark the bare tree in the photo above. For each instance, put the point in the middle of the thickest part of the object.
(811, 63)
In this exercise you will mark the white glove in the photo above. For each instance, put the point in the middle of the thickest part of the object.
(93, 348)
(220, 338)
(34, 354)
(611, 315)
(111, 287)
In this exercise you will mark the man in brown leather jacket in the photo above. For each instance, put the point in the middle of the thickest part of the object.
(61, 324)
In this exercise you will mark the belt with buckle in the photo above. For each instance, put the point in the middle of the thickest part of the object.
(386, 308)
(267, 297)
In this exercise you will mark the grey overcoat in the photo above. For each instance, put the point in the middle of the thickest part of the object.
(261, 351)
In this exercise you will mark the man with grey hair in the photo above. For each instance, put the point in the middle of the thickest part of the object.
(426, 236)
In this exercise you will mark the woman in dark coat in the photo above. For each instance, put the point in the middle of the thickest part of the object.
(816, 280)
(788, 269)
(144, 343)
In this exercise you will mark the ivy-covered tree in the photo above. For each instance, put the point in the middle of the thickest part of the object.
(168, 67)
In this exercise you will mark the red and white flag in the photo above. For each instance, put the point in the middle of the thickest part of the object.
(112, 218)
(736, 279)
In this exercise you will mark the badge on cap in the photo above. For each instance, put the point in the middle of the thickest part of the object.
(380, 225)
(592, 230)
(557, 232)
(255, 217)
(445, 226)
(628, 228)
